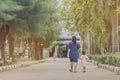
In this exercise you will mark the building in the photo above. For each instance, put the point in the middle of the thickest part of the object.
(64, 38)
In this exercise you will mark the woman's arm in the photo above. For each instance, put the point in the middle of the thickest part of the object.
(68, 53)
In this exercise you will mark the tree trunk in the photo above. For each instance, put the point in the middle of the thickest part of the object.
(95, 47)
(37, 52)
(83, 43)
(39, 48)
(32, 47)
(3, 33)
(11, 47)
(109, 47)
(2, 46)
(89, 43)
(41, 52)
(115, 36)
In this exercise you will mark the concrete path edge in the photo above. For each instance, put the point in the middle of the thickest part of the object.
(18, 65)
(107, 67)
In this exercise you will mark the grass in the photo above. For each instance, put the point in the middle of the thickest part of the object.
(23, 59)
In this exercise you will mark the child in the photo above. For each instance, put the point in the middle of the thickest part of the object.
(84, 60)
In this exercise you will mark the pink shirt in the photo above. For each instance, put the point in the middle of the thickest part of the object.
(83, 60)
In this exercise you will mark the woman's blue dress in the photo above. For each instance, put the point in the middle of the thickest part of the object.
(73, 51)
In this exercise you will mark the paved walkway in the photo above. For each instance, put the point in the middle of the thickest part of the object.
(58, 70)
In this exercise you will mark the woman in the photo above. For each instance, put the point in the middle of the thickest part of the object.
(73, 54)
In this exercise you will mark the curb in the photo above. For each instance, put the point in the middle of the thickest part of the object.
(110, 68)
(23, 64)
(107, 67)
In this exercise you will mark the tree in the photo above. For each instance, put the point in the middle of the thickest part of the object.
(86, 18)
(115, 36)
(94, 18)
(8, 11)
(41, 17)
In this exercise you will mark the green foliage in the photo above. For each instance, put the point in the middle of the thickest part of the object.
(113, 59)
(31, 19)
(36, 19)
(89, 17)
(8, 9)
(118, 9)
(43, 20)
(85, 17)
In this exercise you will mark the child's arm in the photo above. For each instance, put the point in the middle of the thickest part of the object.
(80, 57)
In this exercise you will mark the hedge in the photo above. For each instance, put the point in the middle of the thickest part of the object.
(111, 60)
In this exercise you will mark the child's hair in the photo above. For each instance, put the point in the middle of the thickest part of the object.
(83, 52)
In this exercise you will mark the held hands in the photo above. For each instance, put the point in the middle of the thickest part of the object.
(80, 58)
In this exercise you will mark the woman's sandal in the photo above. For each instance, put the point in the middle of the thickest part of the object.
(70, 70)
(75, 71)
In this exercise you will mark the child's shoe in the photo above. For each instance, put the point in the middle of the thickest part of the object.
(84, 71)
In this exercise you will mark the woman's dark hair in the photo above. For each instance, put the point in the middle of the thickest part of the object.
(83, 52)
(74, 39)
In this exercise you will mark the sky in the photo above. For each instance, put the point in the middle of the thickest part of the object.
(68, 34)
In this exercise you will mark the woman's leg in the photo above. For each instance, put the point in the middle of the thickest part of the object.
(75, 66)
(71, 66)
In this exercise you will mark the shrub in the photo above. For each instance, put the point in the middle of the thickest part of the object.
(107, 59)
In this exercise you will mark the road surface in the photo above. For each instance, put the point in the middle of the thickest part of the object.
(58, 70)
